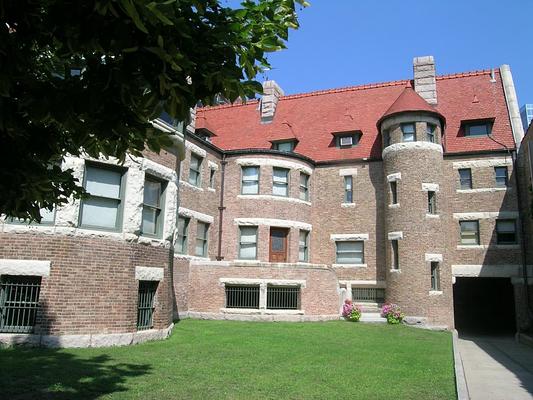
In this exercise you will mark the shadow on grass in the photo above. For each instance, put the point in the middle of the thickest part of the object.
(28, 373)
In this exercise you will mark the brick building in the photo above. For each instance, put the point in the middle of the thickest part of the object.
(280, 209)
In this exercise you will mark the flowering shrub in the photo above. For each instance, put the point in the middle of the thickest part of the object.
(351, 312)
(393, 313)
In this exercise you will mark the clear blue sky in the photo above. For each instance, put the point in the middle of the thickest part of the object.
(350, 42)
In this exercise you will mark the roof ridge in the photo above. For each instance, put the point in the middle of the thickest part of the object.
(365, 86)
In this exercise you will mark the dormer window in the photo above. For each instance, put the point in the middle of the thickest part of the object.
(286, 146)
(347, 139)
(477, 128)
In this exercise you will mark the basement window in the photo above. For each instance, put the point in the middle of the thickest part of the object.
(283, 298)
(368, 295)
(240, 296)
(145, 305)
(19, 303)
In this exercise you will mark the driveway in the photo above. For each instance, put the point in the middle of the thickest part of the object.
(497, 368)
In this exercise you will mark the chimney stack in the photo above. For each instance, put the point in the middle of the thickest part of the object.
(424, 76)
(271, 94)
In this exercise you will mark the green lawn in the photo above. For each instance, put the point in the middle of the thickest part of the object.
(243, 360)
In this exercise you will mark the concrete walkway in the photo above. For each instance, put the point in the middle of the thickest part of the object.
(497, 368)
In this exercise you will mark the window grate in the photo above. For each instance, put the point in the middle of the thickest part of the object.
(368, 295)
(19, 302)
(242, 297)
(283, 298)
(145, 305)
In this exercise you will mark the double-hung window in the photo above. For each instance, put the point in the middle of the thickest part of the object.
(248, 242)
(153, 214)
(350, 252)
(477, 128)
(250, 180)
(430, 132)
(47, 218)
(435, 276)
(501, 176)
(469, 232)
(304, 186)
(212, 173)
(280, 182)
(102, 209)
(183, 232)
(506, 231)
(195, 170)
(408, 132)
(286, 146)
(303, 252)
(348, 189)
(465, 178)
(202, 231)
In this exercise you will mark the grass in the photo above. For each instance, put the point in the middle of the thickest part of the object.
(243, 360)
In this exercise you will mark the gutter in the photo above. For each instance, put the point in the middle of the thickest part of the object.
(221, 207)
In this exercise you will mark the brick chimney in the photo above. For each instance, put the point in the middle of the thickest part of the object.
(424, 76)
(271, 94)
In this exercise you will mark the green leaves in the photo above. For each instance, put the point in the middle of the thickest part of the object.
(132, 60)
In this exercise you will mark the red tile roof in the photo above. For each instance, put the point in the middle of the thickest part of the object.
(409, 100)
(311, 118)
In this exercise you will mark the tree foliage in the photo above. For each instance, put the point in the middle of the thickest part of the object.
(87, 76)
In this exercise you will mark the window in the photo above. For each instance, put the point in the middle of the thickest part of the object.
(386, 138)
(19, 302)
(435, 276)
(304, 186)
(350, 252)
(103, 208)
(286, 146)
(250, 180)
(183, 232)
(408, 132)
(469, 232)
(345, 141)
(432, 202)
(430, 132)
(501, 176)
(465, 178)
(195, 170)
(201, 239)
(395, 254)
(280, 182)
(348, 189)
(47, 218)
(368, 295)
(248, 242)
(283, 298)
(145, 305)
(303, 246)
(478, 128)
(212, 173)
(394, 192)
(506, 231)
(153, 215)
(238, 296)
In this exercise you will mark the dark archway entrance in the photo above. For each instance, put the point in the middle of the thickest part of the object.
(484, 306)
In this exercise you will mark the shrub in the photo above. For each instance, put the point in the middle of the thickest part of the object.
(351, 312)
(393, 313)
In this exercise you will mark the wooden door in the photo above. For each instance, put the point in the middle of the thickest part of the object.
(278, 244)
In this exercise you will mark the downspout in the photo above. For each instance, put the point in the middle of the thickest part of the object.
(221, 207)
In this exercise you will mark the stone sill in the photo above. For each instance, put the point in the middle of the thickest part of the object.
(273, 197)
(396, 205)
(435, 292)
(211, 190)
(396, 271)
(349, 265)
(260, 311)
(257, 263)
(187, 184)
(471, 247)
(432, 216)
(507, 246)
(484, 190)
